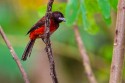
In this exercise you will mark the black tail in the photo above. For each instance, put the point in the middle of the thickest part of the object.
(28, 50)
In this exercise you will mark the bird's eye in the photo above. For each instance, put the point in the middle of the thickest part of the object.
(60, 15)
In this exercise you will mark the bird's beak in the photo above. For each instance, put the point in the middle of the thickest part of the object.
(62, 19)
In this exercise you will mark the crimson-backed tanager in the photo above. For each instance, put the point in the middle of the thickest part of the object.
(37, 31)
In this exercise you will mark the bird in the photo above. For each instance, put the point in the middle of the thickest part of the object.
(38, 29)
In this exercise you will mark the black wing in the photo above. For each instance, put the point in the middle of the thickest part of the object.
(40, 23)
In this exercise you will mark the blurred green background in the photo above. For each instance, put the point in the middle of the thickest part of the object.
(96, 21)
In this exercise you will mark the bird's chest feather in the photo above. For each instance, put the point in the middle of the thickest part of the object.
(38, 33)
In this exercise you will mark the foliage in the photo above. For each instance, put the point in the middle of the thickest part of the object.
(85, 10)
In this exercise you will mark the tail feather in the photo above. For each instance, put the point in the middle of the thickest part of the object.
(28, 50)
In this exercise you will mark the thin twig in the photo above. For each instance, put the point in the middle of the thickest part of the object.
(119, 45)
(85, 58)
(48, 44)
(14, 55)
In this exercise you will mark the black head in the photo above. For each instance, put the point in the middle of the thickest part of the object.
(58, 16)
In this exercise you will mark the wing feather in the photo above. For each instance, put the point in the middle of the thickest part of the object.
(39, 24)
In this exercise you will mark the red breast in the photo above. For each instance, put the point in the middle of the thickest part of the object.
(38, 33)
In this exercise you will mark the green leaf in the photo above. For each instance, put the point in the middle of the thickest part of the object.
(84, 17)
(71, 11)
(93, 29)
(91, 6)
(114, 4)
(108, 21)
(88, 20)
(105, 8)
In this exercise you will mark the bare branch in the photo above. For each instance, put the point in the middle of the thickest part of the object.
(14, 55)
(85, 58)
(48, 44)
(119, 45)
